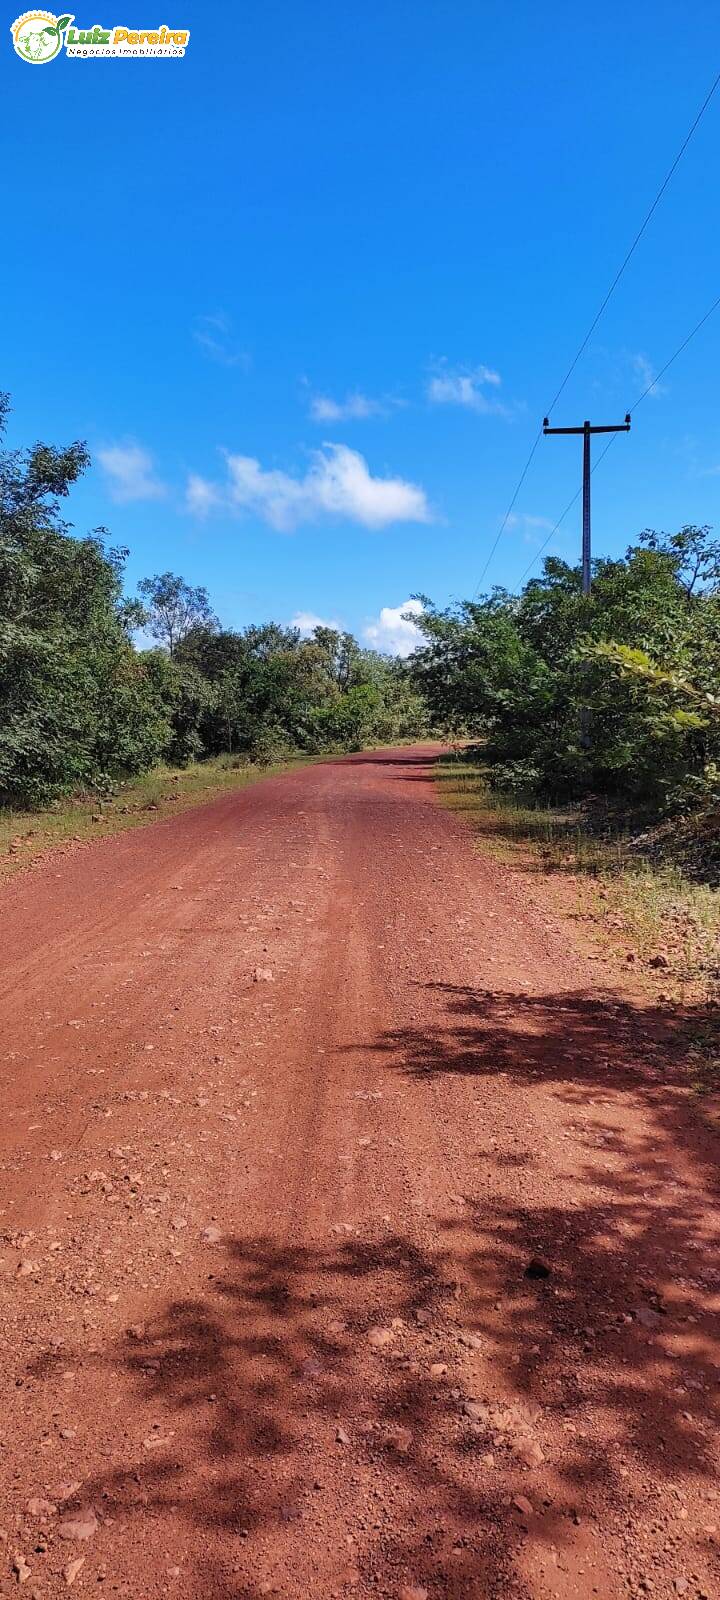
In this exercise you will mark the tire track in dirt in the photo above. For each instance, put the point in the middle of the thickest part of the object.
(264, 1303)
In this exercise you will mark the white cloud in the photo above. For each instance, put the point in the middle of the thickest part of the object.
(644, 371)
(214, 335)
(201, 496)
(531, 526)
(307, 622)
(130, 471)
(355, 407)
(393, 632)
(465, 386)
(337, 483)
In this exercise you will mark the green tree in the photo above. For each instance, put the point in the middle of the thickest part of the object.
(77, 706)
(517, 672)
(173, 607)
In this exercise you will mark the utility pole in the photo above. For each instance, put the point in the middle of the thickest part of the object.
(586, 430)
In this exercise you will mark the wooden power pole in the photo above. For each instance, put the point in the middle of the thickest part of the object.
(586, 430)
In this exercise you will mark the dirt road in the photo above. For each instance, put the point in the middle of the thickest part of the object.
(296, 1089)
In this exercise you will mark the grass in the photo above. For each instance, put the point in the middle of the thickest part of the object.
(643, 909)
(162, 792)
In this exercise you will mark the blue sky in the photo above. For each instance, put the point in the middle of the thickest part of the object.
(308, 291)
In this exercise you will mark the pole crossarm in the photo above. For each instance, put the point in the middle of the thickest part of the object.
(588, 427)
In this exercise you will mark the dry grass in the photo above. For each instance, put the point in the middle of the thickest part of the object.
(160, 793)
(652, 913)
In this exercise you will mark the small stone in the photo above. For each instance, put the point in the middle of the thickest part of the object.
(412, 1591)
(379, 1338)
(211, 1235)
(341, 1436)
(37, 1507)
(438, 1369)
(647, 1317)
(21, 1569)
(529, 1452)
(72, 1569)
(66, 1492)
(263, 975)
(523, 1504)
(401, 1440)
(81, 1525)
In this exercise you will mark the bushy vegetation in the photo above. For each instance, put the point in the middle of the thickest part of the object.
(81, 706)
(614, 694)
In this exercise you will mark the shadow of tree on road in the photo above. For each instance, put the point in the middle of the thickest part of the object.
(620, 1342)
(301, 1456)
(285, 1427)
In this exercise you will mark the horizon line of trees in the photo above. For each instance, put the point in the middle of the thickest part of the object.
(616, 694)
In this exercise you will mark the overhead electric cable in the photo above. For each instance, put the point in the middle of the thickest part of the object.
(508, 513)
(583, 346)
(698, 325)
(568, 508)
(678, 352)
(635, 243)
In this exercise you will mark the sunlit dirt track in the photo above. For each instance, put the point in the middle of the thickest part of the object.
(296, 1089)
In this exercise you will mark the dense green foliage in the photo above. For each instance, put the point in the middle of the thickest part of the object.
(77, 706)
(612, 693)
(266, 691)
(82, 707)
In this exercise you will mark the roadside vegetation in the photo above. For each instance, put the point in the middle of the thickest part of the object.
(612, 699)
(163, 792)
(664, 923)
(98, 688)
(587, 735)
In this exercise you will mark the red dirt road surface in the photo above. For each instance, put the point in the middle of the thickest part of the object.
(356, 1238)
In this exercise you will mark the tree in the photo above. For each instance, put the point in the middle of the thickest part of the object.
(173, 607)
(515, 672)
(693, 555)
(77, 705)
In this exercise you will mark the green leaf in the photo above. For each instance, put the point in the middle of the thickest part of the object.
(62, 22)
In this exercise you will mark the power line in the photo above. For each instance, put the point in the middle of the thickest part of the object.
(635, 242)
(508, 513)
(596, 320)
(678, 352)
(698, 325)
